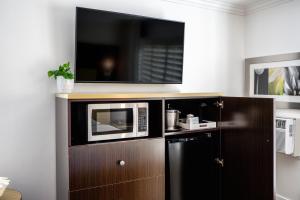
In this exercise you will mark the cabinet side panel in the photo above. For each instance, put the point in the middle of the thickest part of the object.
(62, 164)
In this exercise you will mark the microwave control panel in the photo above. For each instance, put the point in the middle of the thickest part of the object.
(142, 119)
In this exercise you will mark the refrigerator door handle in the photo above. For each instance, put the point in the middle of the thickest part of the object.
(220, 162)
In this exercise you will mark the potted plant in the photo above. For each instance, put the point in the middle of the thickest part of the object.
(64, 78)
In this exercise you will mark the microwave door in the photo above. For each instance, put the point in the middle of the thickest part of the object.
(110, 121)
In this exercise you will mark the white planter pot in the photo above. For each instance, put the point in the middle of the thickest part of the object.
(64, 85)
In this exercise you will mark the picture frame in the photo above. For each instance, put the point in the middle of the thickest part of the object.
(276, 76)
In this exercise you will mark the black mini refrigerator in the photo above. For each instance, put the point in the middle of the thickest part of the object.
(191, 169)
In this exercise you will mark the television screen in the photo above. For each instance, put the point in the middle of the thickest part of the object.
(113, 47)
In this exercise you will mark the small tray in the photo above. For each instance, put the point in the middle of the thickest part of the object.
(204, 124)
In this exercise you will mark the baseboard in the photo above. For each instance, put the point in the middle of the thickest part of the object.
(280, 197)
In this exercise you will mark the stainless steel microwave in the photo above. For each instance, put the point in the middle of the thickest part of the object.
(117, 121)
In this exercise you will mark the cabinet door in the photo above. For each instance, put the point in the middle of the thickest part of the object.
(192, 171)
(247, 131)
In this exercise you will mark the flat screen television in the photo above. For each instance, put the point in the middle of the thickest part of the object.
(120, 48)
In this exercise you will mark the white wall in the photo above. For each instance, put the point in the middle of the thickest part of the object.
(288, 176)
(36, 35)
(277, 31)
(273, 31)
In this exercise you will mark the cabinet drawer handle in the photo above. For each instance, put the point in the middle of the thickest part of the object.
(122, 163)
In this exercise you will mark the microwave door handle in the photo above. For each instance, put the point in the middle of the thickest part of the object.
(135, 120)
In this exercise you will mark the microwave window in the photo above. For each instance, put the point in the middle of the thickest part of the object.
(112, 121)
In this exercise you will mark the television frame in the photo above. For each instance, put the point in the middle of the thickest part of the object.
(125, 82)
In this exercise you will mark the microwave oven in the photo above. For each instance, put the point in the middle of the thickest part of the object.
(117, 121)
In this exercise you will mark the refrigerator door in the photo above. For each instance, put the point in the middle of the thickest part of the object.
(192, 172)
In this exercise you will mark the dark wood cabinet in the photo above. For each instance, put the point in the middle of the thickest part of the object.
(247, 148)
(234, 161)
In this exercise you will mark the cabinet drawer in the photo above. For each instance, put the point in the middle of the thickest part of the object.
(100, 193)
(143, 189)
(99, 164)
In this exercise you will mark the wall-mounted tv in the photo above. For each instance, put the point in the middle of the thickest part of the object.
(120, 48)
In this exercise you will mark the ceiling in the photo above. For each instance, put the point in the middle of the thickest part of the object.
(243, 3)
(236, 7)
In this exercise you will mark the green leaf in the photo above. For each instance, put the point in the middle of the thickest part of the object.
(50, 74)
(63, 70)
(69, 75)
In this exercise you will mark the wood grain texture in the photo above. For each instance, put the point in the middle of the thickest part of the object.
(97, 165)
(85, 96)
(146, 189)
(247, 128)
(99, 193)
(143, 189)
(11, 194)
(92, 171)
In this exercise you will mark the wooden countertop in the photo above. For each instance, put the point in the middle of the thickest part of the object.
(76, 96)
(10, 194)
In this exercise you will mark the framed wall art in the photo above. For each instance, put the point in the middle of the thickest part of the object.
(274, 76)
